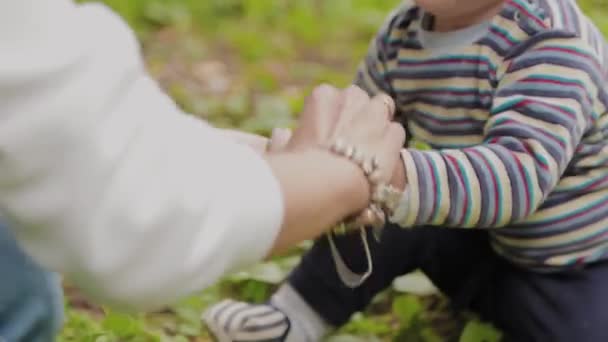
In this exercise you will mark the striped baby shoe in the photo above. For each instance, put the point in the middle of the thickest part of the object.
(231, 321)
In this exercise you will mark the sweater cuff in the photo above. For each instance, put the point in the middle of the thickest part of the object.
(423, 202)
(407, 210)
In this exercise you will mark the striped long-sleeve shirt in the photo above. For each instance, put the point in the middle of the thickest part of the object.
(518, 128)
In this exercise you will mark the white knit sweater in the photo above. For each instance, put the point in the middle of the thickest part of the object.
(103, 178)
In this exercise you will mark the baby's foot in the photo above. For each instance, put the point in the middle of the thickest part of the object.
(287, 318)
(238, 321)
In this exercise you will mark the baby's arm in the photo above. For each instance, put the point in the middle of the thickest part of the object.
(544, 103)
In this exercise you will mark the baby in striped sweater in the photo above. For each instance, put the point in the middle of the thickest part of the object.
(508, 209)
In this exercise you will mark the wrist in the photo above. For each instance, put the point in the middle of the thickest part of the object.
(399, 178)
(348, 178)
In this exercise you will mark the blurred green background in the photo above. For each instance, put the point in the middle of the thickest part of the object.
(249, 64)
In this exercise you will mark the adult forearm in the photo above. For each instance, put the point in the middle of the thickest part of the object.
(135, 202)
(333, 189)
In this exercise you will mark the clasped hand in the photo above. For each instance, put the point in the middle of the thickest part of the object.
(349, 115)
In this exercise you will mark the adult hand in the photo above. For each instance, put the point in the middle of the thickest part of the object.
(351, 116)
(366, 124)
(318, 118)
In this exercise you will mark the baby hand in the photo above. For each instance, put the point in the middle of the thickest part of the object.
(399, 178)
(279, 139)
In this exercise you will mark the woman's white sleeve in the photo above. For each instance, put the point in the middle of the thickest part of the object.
(104, 179)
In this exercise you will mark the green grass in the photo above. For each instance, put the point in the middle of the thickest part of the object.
(249, 64)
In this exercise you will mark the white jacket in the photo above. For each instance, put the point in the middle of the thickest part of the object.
(103, 178)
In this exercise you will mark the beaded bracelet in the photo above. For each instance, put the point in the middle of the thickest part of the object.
(384, 200)
(370, 167)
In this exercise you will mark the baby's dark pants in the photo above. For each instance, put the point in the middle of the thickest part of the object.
(570, 305)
